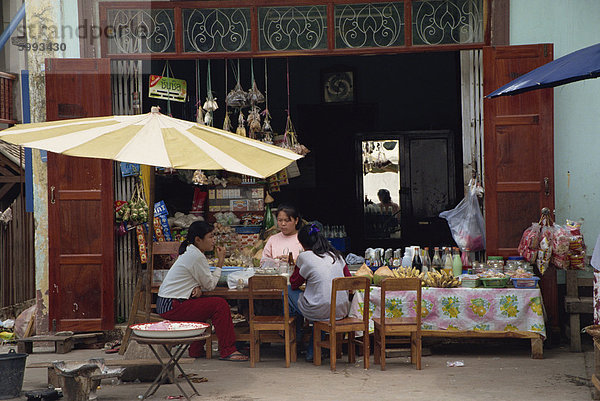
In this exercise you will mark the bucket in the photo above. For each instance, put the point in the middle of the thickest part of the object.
(12, 366)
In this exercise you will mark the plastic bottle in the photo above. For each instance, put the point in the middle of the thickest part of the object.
(447, 261)
(436, 262)
(407, 258)
(426, 260)
(456, 263)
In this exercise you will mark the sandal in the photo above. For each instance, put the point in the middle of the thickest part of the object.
(235, 357)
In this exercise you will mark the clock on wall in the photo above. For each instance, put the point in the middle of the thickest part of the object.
(338, 85)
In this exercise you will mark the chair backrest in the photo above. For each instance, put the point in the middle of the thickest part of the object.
(402, 284)
(350, 283)
(257, 283)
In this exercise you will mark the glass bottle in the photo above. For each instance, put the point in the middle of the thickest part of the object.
(426, 260)
(466, 260)
(456, 263)
(447, 261)
(417, 263)
(436, 262)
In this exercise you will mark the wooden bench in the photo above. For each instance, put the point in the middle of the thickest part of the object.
(575, 305)
(62, 343)
(127, 363)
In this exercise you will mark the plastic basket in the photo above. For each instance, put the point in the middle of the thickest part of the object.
(525, 282)
(469, 282)
(494, 282)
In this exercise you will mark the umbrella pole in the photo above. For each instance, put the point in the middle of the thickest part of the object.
(142, 298)
(150, 263)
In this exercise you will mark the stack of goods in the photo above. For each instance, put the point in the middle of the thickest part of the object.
(576, 245)
(162, 230)
(227, 237)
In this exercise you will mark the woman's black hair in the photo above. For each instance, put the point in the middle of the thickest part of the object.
(290, 211)
(310, 238)
(384, 196)
(197, 229)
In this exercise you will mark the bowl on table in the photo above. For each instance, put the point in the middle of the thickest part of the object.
(168, 329)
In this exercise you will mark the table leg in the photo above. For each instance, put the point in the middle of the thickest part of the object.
(173, 361)
(178, 354)
(160, 378)
(537, 348)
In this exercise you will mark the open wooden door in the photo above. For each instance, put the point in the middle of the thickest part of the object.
(519, 155)
(80, 210)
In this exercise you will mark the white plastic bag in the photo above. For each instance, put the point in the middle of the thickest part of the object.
(239, 279)
(466, 222)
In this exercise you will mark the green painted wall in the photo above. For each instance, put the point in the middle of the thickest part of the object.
(570, 25)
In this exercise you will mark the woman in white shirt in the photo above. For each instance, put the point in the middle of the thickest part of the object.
(180, 294)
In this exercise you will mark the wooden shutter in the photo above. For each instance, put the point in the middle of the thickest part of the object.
(80, 210)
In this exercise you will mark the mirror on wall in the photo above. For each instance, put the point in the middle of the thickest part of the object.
(381, 188)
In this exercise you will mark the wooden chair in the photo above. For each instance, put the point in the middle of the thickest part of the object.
(285, 323)
(347, 325)
(399, 326)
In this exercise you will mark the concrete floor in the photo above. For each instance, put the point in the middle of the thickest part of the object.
(494, 370)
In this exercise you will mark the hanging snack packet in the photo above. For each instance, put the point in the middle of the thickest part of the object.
(544, 255)
(530, 242)
(141, 239)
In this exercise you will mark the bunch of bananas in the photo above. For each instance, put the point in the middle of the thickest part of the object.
(408, 272)
(440, 279)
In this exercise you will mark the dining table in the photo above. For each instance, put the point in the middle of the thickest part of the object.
(466, 312)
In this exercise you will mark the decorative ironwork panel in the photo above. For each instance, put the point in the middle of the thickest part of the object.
(292, 28)
(216, 30)
(369, 25)
(437, 22)
(141, 31)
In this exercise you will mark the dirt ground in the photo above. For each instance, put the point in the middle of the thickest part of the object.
(493, 370)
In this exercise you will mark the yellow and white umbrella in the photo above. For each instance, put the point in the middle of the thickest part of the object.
(155, 140)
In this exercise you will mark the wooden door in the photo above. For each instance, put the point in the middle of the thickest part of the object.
(519, 155)
(80, 211)
(518, 145)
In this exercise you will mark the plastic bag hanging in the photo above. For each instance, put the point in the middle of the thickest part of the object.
(227, 123)
(267, 130)
(290, 137)
(227, 126)
(210, 105)
(241, 130)
(466, 222)
(237, 97)
(199, 111)
(254, 97)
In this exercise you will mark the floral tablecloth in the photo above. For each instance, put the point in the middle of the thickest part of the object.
(479, 309)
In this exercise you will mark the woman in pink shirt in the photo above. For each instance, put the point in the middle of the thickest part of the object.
(279, 246)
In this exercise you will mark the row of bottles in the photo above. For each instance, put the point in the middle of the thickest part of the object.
(449, 259)
(334, 232)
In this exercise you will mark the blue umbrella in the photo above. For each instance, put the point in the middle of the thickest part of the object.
(576, 66)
